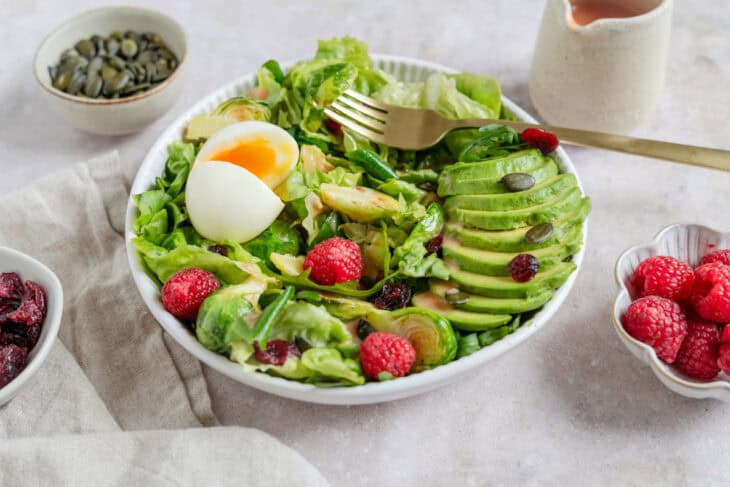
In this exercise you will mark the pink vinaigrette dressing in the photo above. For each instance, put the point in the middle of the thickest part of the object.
(587, 11)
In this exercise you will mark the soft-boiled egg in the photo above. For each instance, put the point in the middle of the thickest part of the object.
(264, 149)
(228, 202)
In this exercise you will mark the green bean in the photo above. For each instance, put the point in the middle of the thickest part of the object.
(263, 325)
(372, 164)
(468, 344)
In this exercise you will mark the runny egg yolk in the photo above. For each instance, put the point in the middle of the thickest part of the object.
(257, 156)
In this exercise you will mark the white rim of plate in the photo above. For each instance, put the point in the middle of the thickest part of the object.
(370, 392)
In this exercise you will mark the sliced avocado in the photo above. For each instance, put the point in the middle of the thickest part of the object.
(449, 186)
(429, 332)
(514, 240)
(538, 194)
(495, 167)
(482, 304)
(497, 263)
(463, 320)
(504, 220)
(505, 287)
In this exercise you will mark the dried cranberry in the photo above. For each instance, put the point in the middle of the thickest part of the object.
(219, 249)
(32, 310)
(540, 139)
(394, 295)
(13, 339)
(364, 329)
(433, 246)
(334, 127)
(13, 360)
(11, 288)
(524, 267)
(276, 353)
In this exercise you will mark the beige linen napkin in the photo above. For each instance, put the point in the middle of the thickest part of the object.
(114, 368)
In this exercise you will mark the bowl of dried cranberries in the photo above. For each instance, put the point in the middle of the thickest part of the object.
(673, 308)
(31, 305)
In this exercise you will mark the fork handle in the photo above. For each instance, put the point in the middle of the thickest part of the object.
(687, 154)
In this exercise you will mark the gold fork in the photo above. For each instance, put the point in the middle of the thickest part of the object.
(419, 128)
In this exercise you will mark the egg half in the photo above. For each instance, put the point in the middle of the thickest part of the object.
(228, 202)
(264, 149)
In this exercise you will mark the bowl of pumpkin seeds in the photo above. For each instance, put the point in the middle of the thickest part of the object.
(112, 70)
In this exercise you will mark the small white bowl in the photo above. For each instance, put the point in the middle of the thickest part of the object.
(688, 243)
(30, 269)
(122, 115)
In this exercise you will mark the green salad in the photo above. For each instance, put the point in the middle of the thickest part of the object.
(451, 248)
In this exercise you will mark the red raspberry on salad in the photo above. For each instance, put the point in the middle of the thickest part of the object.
(711, 292)
(540, 139)
(186, 290)
(697, 357)
(722, 256)
(334, 260)
(658, 322)
(386, 353)
(664, 276)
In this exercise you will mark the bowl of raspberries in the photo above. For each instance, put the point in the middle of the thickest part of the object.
(31, 305)
(673, 308)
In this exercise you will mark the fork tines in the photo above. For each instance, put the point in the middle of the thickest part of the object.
(359, 113)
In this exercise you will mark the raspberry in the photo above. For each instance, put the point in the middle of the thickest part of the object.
(394, 295)
(540, 139)
(658, 322)
(723, 360)
(276, 353)
(385, 352)
(13, 360)
(524, 267)
(697, 357)
(722, 256)
(185, 291)
(334, 260)
(711, 292)
(663, 276)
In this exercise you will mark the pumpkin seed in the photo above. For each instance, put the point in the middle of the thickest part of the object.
(117, 62)
(108, 72)
(94, 65)
(112, 46)
(78, 79)
(129, 48)
(115, 85)
(120, 64)
(62, 80)
(539, 233)
(93, 85)
(455, 296)
(86, 48)
(518, 181)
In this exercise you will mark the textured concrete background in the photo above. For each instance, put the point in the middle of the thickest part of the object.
(570, 405)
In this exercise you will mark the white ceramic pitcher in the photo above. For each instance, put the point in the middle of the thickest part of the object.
(606, 75)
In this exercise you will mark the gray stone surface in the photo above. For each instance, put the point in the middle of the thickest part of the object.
(570, 406)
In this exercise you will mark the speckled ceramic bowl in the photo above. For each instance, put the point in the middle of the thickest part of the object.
(122, 115)
(687, 243)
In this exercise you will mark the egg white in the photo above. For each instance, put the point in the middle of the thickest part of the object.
(227, 202)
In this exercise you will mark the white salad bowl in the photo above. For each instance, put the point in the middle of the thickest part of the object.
(29, 269)
(688, 243)
(122, 115)
(405, 69)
